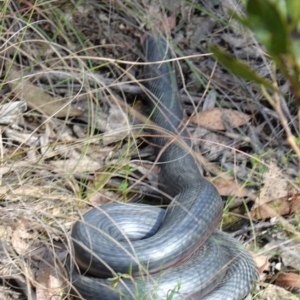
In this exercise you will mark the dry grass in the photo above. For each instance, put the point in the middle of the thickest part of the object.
(71, 142)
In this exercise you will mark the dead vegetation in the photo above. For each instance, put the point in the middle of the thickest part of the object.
(73, 135)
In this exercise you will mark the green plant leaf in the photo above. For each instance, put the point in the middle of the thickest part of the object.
(123, 186)
(239, 68)
(295, 50)
(293, 12)
(240, 19)
(269, 24)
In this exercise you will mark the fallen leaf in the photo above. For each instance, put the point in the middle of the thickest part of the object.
(228, 188)
(37, 99)
(276, 197)
(262, 263)
(289, 281)
(98, 198)
(11, 111)
(273, 292)
(49, 281)
(291, 257)
(24, 239)
(74, 165)
(282, 206)
(213, 118)
(275, 186)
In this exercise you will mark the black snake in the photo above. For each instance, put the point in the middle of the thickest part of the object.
(151, 253)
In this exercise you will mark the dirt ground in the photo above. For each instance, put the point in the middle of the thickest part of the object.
(73, 135)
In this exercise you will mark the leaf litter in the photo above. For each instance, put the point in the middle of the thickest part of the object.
(66, 136)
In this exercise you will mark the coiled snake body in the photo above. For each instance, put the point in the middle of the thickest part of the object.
(177, 252)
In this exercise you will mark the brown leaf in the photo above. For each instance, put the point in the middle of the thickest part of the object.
(213, 118)
(276, 196)
(37, 99)
(275, 186)
(262, 263)
(24, 239)
(99, 198)
(289, 281)
(282, 206)
(228, 188)
(49, 281)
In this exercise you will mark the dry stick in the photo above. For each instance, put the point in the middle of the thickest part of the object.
(276, 105)
(92, 77)
(129, 86)
(1, 156)
(260, 225)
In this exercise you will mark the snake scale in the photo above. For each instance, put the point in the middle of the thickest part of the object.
(138, 251)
